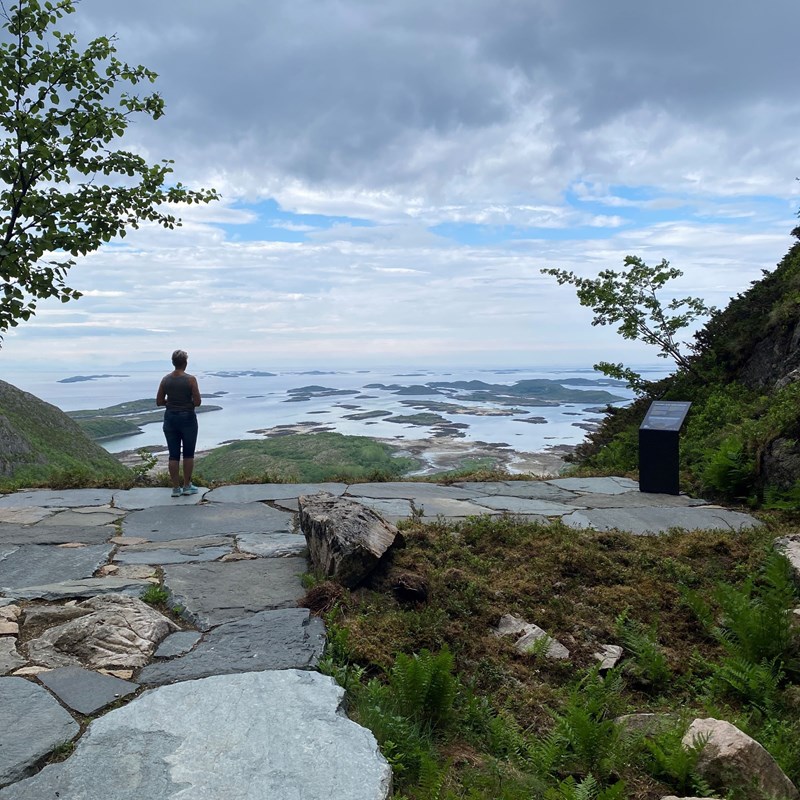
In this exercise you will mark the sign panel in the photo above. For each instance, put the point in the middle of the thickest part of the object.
(665, 415)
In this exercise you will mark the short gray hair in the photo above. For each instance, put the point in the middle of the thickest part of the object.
(180, 358)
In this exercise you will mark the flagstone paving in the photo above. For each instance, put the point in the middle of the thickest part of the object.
(230, 706)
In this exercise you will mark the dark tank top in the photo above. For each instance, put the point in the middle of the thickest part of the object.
(178, 392)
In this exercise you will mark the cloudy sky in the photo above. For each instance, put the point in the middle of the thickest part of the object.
(395, 174)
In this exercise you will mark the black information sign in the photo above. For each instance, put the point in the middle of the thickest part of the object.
(658, 446)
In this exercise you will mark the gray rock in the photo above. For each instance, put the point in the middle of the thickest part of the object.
(53, 534)
(392, 510)
(89, 587)
(608, 656)
(432, 507)
(595, 485)
(208, 548)
(272, 545)
(209, 519)
(527, 505)
(65, 498)
(177, 644)
(139, 498)
(248, 736)
(262, 492)
(646, 723)
(345, 539)
(534, 490)
(527, 635)
(75, 519)
(24, 515)
(660, 520)
(637, 500)
(118, 631)
(40, 616)
(213, 593)
(730, 759)
(34, 564)
(85, 691)
(412, 490)
(10, 659)
(790, 547)
(39, 725)
(288, 638)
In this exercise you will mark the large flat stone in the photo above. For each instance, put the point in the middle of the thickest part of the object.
(432, 507)
(249, 736)
(660, 520)
(57, 534)
(25, 515)
(180, 551)
(35, 564)
(77, 519)
(65, 498)
(411, 490)
(210, 519)
(177, 644)
(272, 545)
(391, 509)
(287, 638)
(214, 593)
(595, 485)
(636, 500)
(538, 490)
(527, 505)
(89, 587)
(86, 691)
(262, 492)
(39, 725)
(139, 498)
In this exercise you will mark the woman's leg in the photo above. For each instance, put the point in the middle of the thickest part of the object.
(173, 436)
(188, 469)
(189, 441)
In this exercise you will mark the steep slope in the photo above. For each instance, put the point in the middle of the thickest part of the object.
(742, 437)
(39, 442)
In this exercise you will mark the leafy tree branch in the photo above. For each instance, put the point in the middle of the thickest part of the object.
(630, 300)
(64, 188)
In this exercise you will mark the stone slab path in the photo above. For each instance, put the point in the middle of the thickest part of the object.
(231, 706)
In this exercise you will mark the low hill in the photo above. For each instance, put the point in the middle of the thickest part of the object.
(742, 436)
(40, 444)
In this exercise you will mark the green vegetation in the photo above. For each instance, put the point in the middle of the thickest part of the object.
(302, 458)
(155, 595)
(741, 441)
(460, 714)
(64, 189)
(40, 445)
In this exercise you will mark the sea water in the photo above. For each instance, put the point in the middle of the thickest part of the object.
(255, 402)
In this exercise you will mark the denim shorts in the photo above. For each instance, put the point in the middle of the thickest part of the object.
(180, 428)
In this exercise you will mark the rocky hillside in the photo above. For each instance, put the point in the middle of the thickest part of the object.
(40, 443)
(742, 437)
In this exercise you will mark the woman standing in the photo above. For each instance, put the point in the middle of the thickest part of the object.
(179, 392)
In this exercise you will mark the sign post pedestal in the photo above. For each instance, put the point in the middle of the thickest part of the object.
(658, 447)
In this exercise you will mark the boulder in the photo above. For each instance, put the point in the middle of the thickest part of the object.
(732, 760)
(528, 635)
(118, 631)
(345, 539)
